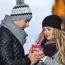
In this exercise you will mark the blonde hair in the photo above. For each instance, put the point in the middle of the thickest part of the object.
(59, 38)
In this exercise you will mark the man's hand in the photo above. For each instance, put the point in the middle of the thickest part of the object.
(36, 56)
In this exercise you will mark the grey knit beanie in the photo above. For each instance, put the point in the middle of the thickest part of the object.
(21, 11)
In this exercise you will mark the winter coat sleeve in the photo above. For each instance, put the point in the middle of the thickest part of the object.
(7, 53)
(50, 61)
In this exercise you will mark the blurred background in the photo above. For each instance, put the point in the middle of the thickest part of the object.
(39, 8)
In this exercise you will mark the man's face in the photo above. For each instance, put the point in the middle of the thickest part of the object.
(22, 23)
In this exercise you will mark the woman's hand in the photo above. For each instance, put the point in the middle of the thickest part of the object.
(36, 56)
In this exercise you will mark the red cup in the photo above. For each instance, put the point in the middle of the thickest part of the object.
(35, 47)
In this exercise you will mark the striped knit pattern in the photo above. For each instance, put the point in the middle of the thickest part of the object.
(21, 11)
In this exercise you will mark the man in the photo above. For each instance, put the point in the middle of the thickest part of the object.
(13, 36)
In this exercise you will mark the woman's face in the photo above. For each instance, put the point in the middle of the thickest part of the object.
(48, 32)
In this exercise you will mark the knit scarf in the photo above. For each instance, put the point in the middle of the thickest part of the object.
(49, 49)
(19, 33)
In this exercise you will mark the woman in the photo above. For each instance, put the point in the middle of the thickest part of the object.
(52, 39)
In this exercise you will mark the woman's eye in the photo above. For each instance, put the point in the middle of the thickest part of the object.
(49, 29)
(43, 29)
